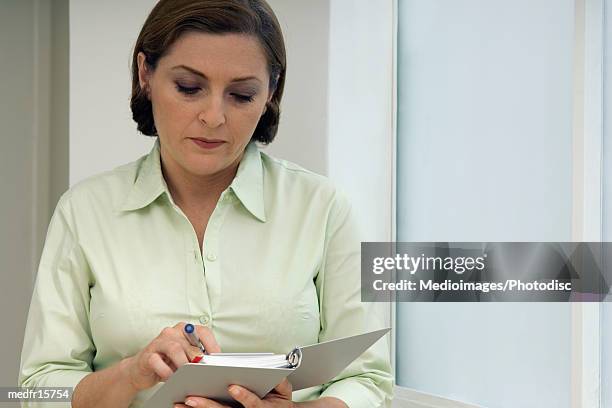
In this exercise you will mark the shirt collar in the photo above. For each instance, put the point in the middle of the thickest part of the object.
(149, 183)
(247, 184)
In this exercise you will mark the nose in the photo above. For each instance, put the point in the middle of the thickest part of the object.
(212, 114)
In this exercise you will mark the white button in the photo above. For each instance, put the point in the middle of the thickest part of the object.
(204, 320)
(211, 257)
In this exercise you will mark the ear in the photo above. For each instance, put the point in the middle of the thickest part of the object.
(143, 71)
(267, 102)
(272, 89)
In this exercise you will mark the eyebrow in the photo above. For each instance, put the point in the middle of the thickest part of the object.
(200, 74)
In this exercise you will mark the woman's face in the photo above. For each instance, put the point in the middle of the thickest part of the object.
(208, 93)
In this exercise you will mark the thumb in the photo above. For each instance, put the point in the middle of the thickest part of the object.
(284, 388)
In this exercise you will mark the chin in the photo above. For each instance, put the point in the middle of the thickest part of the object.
(206, 169)
(206, 163)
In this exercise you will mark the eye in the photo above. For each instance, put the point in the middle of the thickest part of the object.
(242, 98)
(187, 90)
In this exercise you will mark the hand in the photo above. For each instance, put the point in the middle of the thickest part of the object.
(279, 397)
(165, 354)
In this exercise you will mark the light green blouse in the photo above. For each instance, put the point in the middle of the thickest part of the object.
(280, 268)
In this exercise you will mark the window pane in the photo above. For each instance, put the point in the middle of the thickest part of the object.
(485, 154)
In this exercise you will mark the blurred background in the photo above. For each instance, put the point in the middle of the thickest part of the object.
(443, 120)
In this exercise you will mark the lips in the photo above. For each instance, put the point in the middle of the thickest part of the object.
(207, 143)
(208, 140)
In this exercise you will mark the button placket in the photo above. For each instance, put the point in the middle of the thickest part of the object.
(197, 285)
(196, 290)
(212, 261)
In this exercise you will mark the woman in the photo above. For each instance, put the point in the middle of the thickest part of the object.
(262, 253)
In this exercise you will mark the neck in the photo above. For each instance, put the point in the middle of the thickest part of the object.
(190, 190)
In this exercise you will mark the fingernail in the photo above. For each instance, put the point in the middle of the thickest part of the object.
(234, 390)
(191, 403)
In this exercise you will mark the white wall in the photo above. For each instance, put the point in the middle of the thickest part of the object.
(361, 109)
(485, 154)
(302, 134)
(102, 133)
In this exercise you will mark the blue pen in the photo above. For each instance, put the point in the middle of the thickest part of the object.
(193, 338)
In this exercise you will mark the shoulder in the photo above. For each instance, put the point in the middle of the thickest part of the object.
(106, 191)
(293, 180)
(288, 173)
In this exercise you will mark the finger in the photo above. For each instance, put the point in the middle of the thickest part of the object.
(201, 402)
(175, 351)
(244, 396)
(177, 333)
(169, 362)
(284, 388)
(159, 366)
(208, 339)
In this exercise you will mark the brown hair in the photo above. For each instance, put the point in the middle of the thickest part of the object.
(169, 19)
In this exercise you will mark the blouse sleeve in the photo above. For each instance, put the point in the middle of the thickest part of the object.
(58, 347)
(367, 382)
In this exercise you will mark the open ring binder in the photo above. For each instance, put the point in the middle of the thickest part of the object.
(294, 357)
(304, 367)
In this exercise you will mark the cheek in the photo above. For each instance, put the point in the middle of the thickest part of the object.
(244, 121)
(172, 115)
